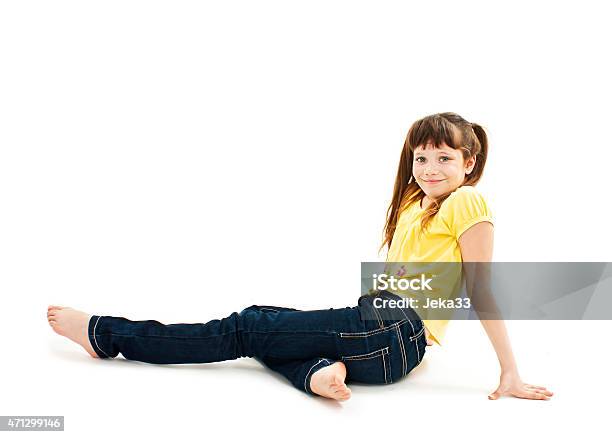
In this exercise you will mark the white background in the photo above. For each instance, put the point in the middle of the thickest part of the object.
(182, 160)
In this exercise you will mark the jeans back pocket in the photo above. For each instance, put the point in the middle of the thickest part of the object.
(370, 368)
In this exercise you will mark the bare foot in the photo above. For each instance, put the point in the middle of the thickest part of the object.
(329, 382)
(72, 324)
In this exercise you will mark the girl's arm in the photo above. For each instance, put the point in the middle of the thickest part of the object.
(476, 245)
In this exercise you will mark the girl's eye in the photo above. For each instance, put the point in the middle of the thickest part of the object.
(445, 158)
(418, 157)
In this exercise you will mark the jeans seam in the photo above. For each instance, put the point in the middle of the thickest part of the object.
(373, 354)
(415, 338)
(418, 334)
(219, 335)
(390, 379)
(380, 322)
(372, 332)
(384, 368)
(307, 374)
(411, 338)
(416, 343)
(95, 339)
(403, 350)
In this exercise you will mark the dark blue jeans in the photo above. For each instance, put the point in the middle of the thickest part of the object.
(377, 346)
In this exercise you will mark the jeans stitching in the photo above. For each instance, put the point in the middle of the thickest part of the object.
(372, 332)
(383, 353)
(95, 339)
(219, 335)
(310, 370)
(411, 338)
(416, 344)
(404, 359)
(408, 319)
(385, 368)
(418, 334)
(373, 354)
(388, 362)
(380, 322)
(411, 327)
(415, 338)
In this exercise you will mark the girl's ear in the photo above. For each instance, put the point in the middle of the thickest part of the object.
(470, 163)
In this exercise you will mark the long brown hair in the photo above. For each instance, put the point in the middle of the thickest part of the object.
(445, 127)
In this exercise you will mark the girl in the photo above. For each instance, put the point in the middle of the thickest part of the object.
(320, 351)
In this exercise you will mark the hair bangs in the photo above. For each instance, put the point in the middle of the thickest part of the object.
(434, 130)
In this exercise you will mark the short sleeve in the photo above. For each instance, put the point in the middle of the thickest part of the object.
(463, 209)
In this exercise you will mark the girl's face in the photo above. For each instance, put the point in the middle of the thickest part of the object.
(440, 170)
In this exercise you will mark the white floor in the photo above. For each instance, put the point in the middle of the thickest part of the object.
(44, 374)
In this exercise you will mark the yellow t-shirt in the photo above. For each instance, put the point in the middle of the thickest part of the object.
(440, 244)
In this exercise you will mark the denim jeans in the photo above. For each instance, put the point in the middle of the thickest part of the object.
(377, 346)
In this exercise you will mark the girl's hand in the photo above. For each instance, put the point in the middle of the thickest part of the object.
(511, 384)
(427, 339)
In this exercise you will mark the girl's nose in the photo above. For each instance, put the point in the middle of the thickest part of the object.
(430, 170)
